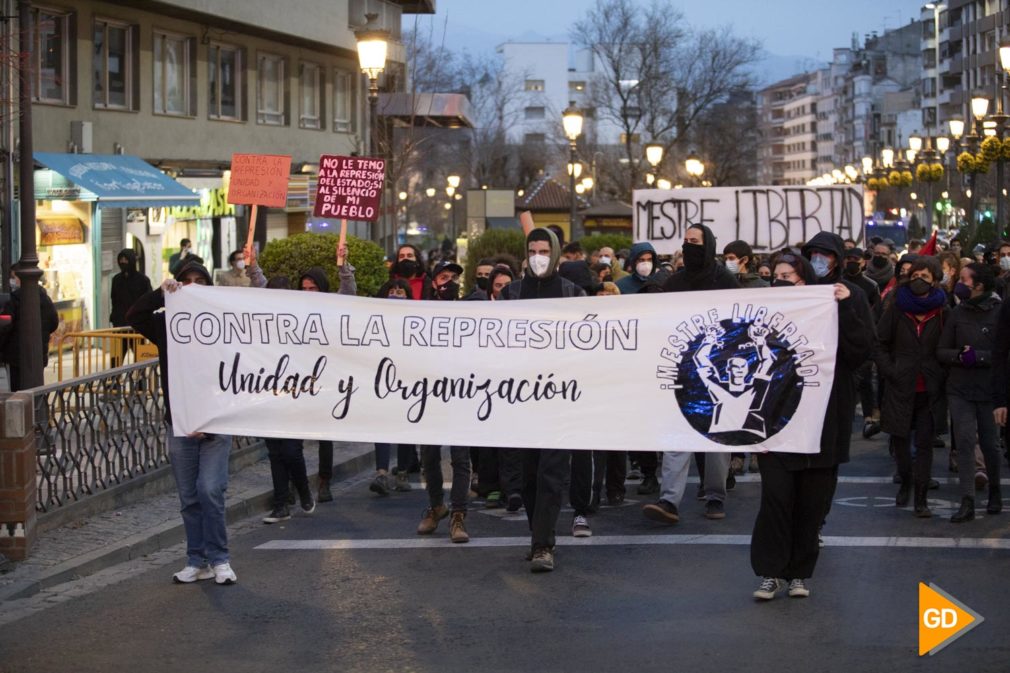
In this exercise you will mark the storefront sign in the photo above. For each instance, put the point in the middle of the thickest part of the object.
(259, 179)
(741, 370)
(350, 188)
(60, 231)
(768, 218)
(213, 203)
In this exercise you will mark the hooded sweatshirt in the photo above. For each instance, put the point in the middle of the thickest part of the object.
(709, 276)
(146, 317)
(128, 286)
(348, 284)
(632, 283)
(550, 285)
(579, 273)
(318, 276)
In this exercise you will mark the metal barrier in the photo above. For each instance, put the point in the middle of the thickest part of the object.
(98, 350)
(99, 431)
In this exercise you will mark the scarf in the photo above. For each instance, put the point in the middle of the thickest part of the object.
(915, 305)
(880, 275)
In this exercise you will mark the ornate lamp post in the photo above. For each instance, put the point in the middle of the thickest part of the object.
(571, 121)
(694, 167)
(373, 43)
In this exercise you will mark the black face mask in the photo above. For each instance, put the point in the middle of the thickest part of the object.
(694, 256)
(778, 282)
(406, 268)
(852, 268)
(483, 283)
(919, 287)
(448, 291)
(879, 262)
(607, 279)
(125, 267)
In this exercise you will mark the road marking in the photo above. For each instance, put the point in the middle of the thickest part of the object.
(628, 540)
(756, 479)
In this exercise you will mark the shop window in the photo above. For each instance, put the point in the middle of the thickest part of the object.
(226, 82)
(310, 82)
(344, 102)
(534, 85)
(174, 77)
(53, 60)
(271, 90)
(115, 65)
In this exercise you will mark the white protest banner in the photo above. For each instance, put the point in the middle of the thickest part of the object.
(769, 218)
(726, 370)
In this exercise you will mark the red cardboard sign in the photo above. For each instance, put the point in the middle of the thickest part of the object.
(260, 179)
(350, 188)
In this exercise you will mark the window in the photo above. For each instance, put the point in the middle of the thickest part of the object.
(271, 96)
(115, 51)
(534, 139)
(173, 77)
(344, 102)
(534, 85)
(51, 65)
(576, 86)
(224, 70)
(535, 113)
(311, 85)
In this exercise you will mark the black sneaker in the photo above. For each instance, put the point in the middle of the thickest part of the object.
(308, 506)
(515, 503)
(277, 515)
(661, 511)
(380, 485)
(730, 482)
(649, 486)
(324, 491)
(714, 509)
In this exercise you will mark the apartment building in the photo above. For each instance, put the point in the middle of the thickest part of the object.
(787, 116)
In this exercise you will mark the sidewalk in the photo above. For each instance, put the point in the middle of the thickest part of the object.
(94, 543)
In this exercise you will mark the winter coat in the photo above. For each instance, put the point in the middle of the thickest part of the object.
(127, 287)
(906, 351)
(632, 283)
(552, 286)
(972, 323)
(713, 276)
(751, 280)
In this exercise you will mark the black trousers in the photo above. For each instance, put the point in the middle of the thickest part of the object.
(867, 397)
(287, 464)
(922, 430)
(614, 466)
(580, 490)
(326, 460)
(510, 471)
(793, 505)
(648, 461)
(545, 472)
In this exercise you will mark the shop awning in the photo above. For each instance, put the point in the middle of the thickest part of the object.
(114, 181)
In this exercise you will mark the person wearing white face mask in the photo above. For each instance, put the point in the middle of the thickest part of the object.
(739, 259)
(235, 276)
(545, 471)
(641, 266)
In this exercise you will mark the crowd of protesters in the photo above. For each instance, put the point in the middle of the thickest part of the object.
(923, 344)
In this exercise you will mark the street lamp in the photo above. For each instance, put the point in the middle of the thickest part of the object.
(915, 142)
(979, 107)
(887, 157)
(373, 43)
(453, 181)
(575, 169)
(663, 183)
(694, 167)
(654, 154)
(430, 191)
(867, 163)
(571, 121)
(851, 173)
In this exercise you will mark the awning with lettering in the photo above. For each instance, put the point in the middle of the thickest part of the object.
(113, 180)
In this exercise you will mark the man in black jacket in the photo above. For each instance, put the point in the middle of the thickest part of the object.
(544, 470)
(701, 272)
(128, 286)
(199, 461)
(50, 320)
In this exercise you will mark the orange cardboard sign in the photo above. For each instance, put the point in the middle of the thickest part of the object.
(259, 179)
(942, 619)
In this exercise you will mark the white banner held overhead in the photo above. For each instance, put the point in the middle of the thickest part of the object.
(702, 371)
(769, 218)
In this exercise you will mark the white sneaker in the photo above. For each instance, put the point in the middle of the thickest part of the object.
(798, 589)
(223, 574)
(768, 588)
(191, 574)
(580, 527)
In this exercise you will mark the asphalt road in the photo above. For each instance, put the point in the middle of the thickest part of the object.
(635, 596)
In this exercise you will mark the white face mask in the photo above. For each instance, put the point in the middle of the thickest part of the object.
(1004, 263)
(15, 283)
(643, 269)
(539, 264)
(733, 265)
(240, 264)
(605, 260)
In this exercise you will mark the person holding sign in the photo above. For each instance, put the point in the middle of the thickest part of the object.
(199, 461)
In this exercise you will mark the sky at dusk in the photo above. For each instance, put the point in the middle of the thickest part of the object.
(796, 34)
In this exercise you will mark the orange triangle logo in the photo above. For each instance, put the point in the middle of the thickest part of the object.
(942, 619)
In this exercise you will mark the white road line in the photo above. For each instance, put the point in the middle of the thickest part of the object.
(756, 479)
(629, 540)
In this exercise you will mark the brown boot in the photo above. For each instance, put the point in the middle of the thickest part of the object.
(457, 531)
(429, 522)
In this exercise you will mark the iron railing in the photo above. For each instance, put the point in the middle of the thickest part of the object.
(99, 431)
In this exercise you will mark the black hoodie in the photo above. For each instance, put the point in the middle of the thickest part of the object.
(128, 286)
(318, 276)
(712, 276)
(146, 317)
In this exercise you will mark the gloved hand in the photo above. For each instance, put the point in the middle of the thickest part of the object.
(967, 357)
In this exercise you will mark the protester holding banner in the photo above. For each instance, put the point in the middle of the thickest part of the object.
(544, 470)
(199, 461)
(966, 346)
(701, 272)
(796, 489)
(909, 333)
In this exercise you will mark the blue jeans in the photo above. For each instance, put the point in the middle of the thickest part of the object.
(200, 467)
